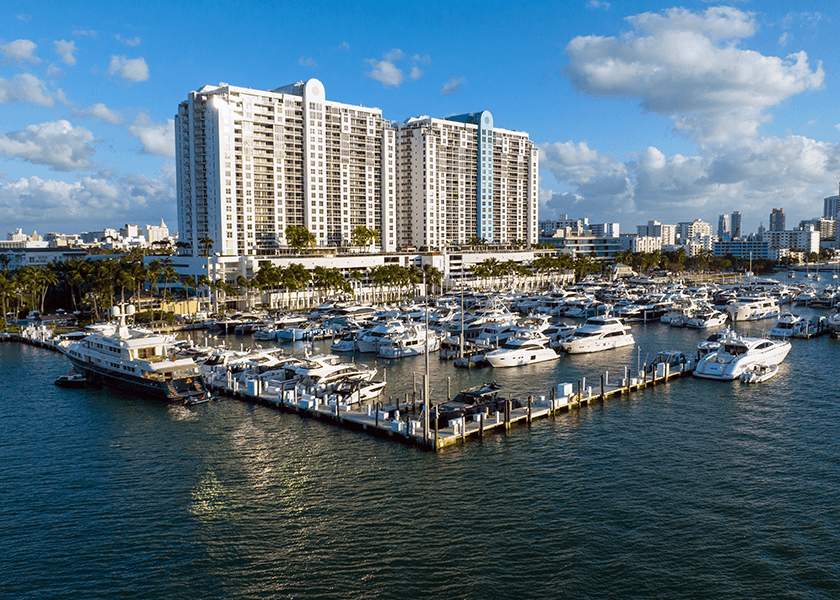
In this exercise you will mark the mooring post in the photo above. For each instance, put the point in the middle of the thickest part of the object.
(436, 428)
(603, 377)
(481, 426)
(376, 409)
(529, 409)
(448, 389)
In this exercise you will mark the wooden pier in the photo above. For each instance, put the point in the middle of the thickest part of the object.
(388, 422)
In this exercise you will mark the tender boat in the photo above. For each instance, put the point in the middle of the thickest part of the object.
(738, 355)
(72, 380)
(523, 348)
(137, 360)
(759, 373)
(599, 333)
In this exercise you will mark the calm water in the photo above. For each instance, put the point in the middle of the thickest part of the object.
(695, 489)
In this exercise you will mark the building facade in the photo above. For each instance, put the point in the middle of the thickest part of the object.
(777, 220)
(462, 177)
(250, 163)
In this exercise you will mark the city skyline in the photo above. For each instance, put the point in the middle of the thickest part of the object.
(672, 114)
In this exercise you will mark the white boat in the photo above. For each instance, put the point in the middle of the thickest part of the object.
(415, 340)
(759, 373)
(523, 348)
(706, 319)
(599, 333)
(833, 322)
(752, 308)
(137, 360)
(369, 340)
(738, 354)
(784, 325)
(712, 343)
(327, 370)
(354, 391)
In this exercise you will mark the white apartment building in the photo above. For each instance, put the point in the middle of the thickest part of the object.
(252, 162)
(694, 229)
(460, 178)
(803, 240)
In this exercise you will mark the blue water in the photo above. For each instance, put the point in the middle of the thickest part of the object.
(694, 489)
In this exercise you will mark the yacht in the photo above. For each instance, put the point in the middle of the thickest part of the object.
(738, 355)
(523, 348)
(327, 370)
(752, 308)
(370, 340)
(415, 340)
(599, 333)
(137, 360)
(784, 325)
(706, 319)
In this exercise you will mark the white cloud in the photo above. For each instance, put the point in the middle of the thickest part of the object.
(135, 41)
(389, 74)
(58, 145)
(598, 4)
(131, 69)
(385, 72)
(687, 66)
(783, 39)
(89, 202)
(25, 88)
(452, 85)
(20, 51)
(794, 172)
(24, 17)
(157, 138)
(343, 46)
(307, 62)
(85, 32)
(101, 113)
(66, 51)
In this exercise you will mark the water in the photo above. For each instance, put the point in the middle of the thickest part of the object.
(693, 489)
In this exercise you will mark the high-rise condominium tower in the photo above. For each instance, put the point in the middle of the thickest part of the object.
(777, 220)
(252, 162)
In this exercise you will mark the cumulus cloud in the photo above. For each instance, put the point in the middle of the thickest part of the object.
(135, 41)
(100, 112)
(130, 69)
(598, 4)
(389, 74)
(307, 62)
(452, 85)
(89, 202)
(25, 88)
(66, 50)
(687, 66)
(20, 51)
(157, 138)
(58, 145)
(343, 46)
(758, 173)
(78, 32)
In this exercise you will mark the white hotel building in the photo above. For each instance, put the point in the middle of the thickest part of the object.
(251, 162)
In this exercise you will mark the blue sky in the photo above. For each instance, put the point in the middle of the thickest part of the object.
(641, 110)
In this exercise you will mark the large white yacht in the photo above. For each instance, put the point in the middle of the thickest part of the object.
(784, 325)
(137, 360)
(415, 340)
(523, 348)
(752, 308)
(599, 333)
(737, 355)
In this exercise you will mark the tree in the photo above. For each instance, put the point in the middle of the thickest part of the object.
(299, 237)
(206, 245)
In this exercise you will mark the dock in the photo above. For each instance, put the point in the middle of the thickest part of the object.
(388, 421)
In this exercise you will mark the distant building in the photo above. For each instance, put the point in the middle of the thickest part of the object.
(777, 220)
(693, 229)
(802, 240)
(723, 231)
(157, 233)
(735, 225)
(605, 229)
(742, 248)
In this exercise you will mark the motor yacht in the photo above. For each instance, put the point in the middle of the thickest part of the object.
(706, 319)
(784, 325)
(599, 333)
(415, 340)
(523, 348)
(738, 354)
(137, 360)
(752, 308)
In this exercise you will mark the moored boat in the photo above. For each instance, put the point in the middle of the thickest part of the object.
(738, 354)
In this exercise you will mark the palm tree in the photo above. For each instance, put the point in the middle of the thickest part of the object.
(206, 244)
(298, 237)
(7, 290)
